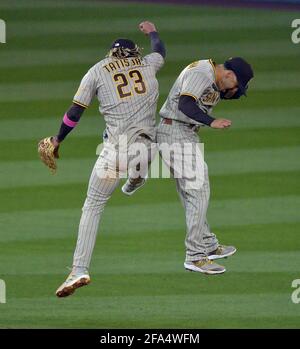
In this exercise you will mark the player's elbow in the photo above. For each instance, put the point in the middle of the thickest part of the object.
(184, 103)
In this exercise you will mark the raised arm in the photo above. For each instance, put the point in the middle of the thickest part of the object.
(157, 45)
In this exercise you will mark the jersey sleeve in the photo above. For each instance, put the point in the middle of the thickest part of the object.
(87, 90)
(194, 83)
(155, 59)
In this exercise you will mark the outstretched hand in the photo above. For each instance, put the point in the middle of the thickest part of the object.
(147, 27)
(220, 123)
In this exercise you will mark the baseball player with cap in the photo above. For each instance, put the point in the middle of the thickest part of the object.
(126, 87)
(188, 107)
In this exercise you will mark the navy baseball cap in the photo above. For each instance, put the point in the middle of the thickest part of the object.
(242, 70)
(125, 43)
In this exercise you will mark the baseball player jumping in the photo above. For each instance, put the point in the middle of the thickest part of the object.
(126, 87)
(196, 91)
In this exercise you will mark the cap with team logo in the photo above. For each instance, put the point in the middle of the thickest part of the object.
(242, 70)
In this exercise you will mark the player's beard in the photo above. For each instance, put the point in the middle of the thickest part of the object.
(227, 95)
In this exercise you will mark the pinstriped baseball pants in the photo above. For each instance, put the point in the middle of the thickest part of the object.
(99, 191)
(200, 240)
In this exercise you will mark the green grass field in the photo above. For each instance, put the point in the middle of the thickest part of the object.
(138, 279)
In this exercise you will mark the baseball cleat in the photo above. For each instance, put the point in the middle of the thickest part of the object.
(132, 185)
(73, 282)
(205, 266)
(222, 252)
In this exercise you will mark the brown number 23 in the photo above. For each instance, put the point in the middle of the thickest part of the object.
(122, 82)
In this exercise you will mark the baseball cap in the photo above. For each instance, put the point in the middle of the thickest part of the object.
(125, 43)
(242, 70)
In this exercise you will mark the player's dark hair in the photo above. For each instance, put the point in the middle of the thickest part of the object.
(121, 52)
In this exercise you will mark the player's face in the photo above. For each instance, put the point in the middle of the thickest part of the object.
(228, 84)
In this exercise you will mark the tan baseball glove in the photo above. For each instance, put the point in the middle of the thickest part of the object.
(48, 153)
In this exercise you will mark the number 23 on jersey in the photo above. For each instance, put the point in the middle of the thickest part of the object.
(122, 82)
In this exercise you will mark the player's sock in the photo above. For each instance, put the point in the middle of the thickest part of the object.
(80, 270)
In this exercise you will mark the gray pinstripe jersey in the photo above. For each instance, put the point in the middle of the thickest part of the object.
(127, 91)
(196, 80)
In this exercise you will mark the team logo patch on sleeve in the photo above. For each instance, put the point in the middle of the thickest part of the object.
(210, 97)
